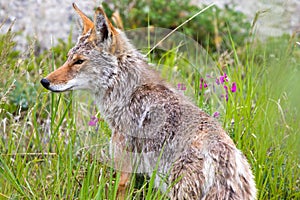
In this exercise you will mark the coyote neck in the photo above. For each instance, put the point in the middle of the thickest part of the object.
(113, 102)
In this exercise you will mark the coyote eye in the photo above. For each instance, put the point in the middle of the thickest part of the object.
(78, 62)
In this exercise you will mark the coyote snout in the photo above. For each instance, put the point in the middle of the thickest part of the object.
(150, 119)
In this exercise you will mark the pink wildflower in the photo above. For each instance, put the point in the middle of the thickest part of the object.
(203, 84)
(233, 87)
(93, 121)
(181, 86)
(216, 114)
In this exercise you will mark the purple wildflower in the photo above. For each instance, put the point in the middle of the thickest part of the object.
(216, 114)
(93, 121)
(225, 96)
(181, 86)
(203, 84)
(223, 81)
(233, 87)
(178, 86)
(226, 88)
(223, 78)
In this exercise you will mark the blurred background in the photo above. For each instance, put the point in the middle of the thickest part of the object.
(48, 21)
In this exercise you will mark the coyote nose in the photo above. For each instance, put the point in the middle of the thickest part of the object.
(45, 83)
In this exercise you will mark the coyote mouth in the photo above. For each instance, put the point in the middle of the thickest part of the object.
(60, 90)
(55, 88)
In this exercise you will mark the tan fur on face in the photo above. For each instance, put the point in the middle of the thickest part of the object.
(62, 75)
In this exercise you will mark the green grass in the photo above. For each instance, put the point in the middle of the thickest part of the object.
(48, 151)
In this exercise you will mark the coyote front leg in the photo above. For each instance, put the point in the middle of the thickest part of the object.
(123, 185)
(121, 163)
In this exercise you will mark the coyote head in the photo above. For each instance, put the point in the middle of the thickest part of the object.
(93, 61)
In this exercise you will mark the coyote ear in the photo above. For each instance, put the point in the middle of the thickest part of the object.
(103, 26)
(87, 23)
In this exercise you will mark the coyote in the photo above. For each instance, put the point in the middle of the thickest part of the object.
(195, 156)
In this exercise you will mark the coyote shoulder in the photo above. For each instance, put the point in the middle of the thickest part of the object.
(150, 119)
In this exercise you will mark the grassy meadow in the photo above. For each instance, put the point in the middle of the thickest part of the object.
(50, 147)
